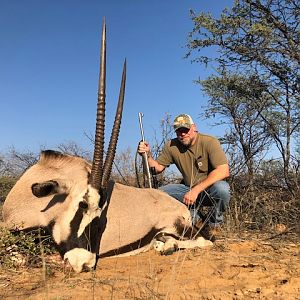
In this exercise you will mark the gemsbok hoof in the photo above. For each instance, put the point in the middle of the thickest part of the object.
(169, 251)
(165, 245)
(158, 246)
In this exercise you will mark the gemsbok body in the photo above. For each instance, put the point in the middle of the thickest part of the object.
(87, 215)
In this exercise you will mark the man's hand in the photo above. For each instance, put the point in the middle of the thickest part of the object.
(143, 148)
(190, 197)
(219, 173)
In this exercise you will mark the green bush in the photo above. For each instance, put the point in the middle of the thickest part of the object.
(6, 184)
(24, 248)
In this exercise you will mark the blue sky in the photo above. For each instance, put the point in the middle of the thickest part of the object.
(49, 65)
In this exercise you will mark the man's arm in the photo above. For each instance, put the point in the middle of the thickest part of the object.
(144, 147)
(219, 173)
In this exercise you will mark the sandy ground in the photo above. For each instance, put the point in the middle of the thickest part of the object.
(251, 267)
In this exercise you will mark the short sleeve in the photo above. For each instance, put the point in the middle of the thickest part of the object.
(165, 158)
(217, 155)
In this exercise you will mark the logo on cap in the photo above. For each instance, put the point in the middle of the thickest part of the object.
(183, 121)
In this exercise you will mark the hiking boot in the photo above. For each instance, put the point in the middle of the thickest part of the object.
(211, 233)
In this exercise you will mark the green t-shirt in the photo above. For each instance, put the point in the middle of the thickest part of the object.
(195, 162)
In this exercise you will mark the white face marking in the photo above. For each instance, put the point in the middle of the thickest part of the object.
(62, 229)
(93, 209)
(78, 257)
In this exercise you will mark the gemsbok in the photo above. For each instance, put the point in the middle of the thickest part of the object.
(87, 215)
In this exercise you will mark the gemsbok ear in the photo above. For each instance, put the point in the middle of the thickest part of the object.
(46, 188)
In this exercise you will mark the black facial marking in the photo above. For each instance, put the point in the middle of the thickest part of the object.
(56, 199)
(89, 239)
(73, 241)
(92, 234)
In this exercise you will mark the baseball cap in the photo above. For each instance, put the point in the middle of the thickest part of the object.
(183, 121)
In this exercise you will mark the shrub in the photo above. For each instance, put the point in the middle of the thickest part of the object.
(24, 248)
(6, 183)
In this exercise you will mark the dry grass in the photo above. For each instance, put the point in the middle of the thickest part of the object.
(258, 257)
(251, 265)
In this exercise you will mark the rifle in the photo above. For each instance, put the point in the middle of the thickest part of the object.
(144, 155)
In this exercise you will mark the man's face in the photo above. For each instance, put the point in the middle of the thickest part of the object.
(186, 136)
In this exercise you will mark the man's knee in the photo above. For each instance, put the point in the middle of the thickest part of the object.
(168, 188)
(175, 190)
(221, 191)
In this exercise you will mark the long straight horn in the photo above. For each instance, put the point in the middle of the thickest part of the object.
(97, 171)
(115, 132)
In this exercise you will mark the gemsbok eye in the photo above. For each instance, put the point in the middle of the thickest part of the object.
(83, 205)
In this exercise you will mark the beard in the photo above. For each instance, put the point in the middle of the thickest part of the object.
(187, 142)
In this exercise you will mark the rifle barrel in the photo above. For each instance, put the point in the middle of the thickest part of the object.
(144, 155)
